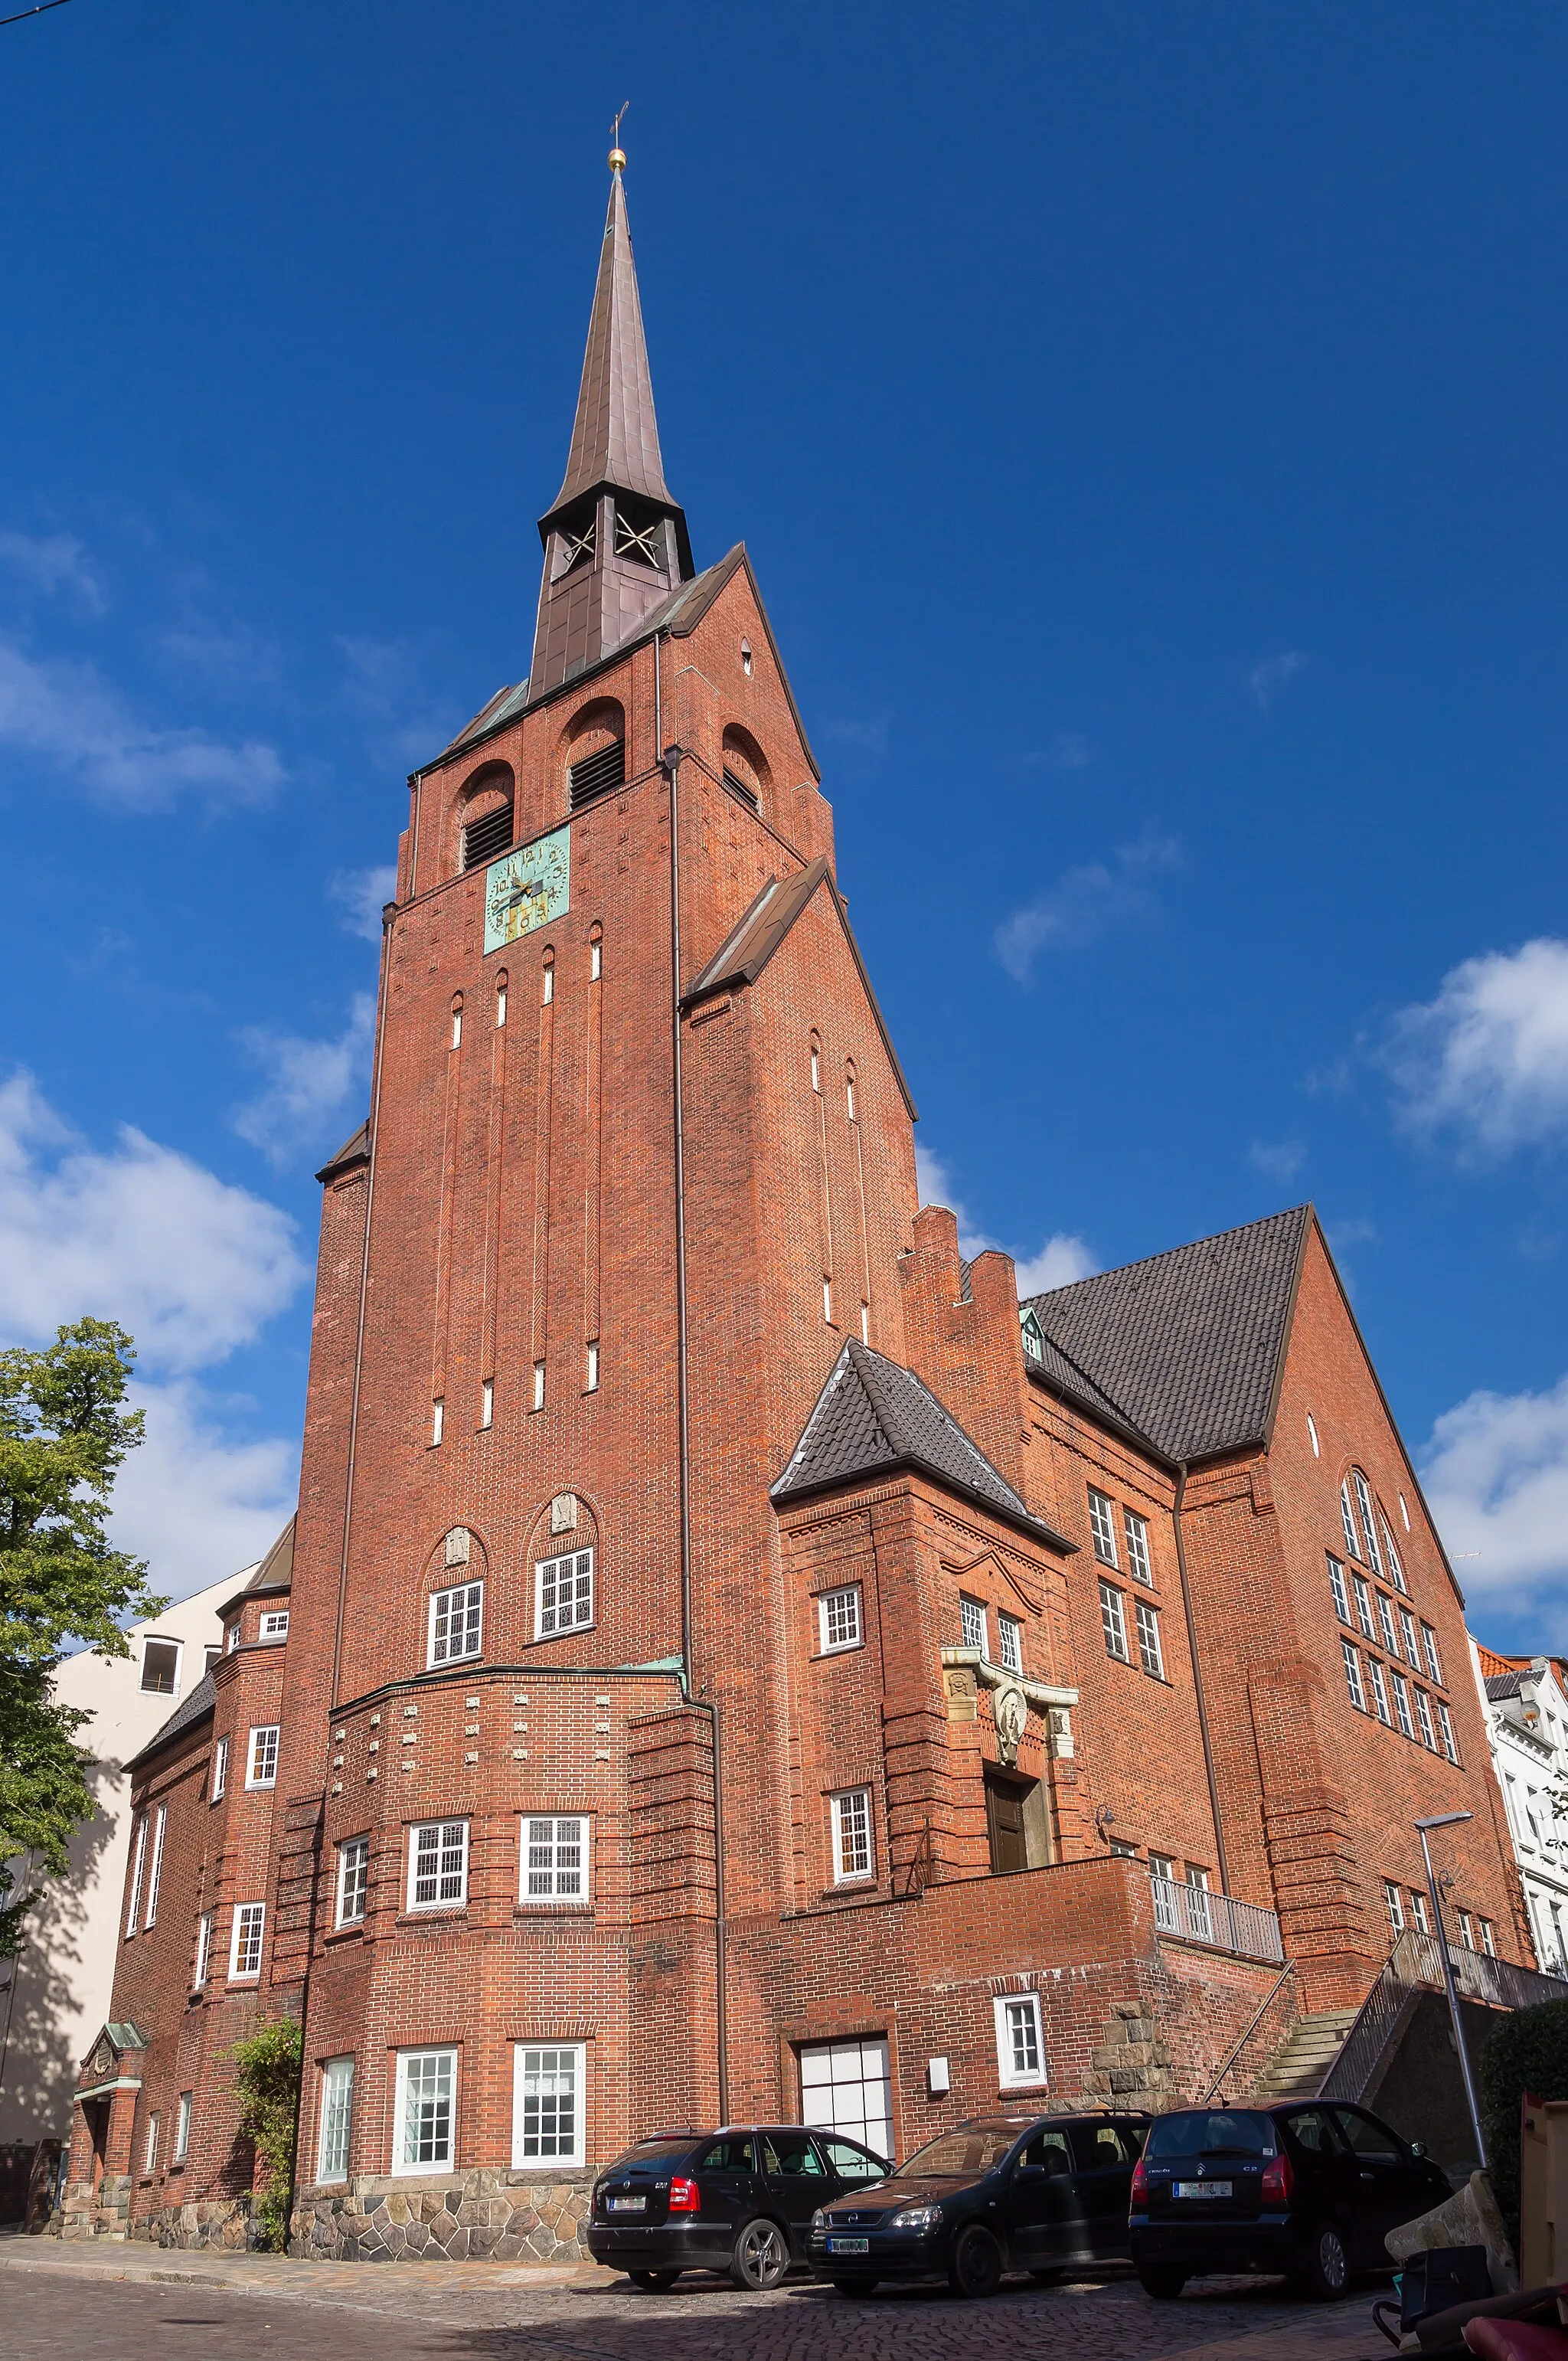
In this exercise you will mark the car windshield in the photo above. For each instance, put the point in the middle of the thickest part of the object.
(958, 2156)
(656, 2151)
(1211, 2134)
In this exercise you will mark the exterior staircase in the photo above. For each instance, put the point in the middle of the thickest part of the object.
(1300, 2068)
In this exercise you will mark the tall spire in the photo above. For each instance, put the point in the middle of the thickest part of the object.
(615, 541)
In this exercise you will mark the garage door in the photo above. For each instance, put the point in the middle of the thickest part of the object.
(845, 2087)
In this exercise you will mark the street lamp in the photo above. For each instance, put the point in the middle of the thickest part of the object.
(1449, 1821)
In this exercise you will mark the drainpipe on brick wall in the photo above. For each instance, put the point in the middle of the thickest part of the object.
(1198, 1683)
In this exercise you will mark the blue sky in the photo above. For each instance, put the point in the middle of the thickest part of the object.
(1148, 426)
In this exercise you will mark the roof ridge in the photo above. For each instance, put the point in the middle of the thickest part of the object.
(1166, 1254)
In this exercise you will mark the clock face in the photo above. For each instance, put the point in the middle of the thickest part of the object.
(527, 887)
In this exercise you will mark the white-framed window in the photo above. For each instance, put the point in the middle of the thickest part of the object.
(353, 1880)
(815, 1067)
(591, 1369)
(1363, 1605)
(1197, 1903)
(204, 1950)
(828, 1299)
(971, 1624)
(1368, 1520)
(839, 1620)
(1403, 1703)
(245, 1944)
(849, 1813)
(1386, 1618)
(1103, 1527)
(501, 1002)
(596, 961)
(487, 1403)
(1420, 1915)
(1336, 1584)
(438, 1864)
(220, 1769)
(337, 2119)
(275, 1623)
(1467, 1930)
(456, 1623)
(424, 2109)
(261, 1768)
(1010, 1642)
(1352, 1676)
(149, 2158)
(1391, 1558)
(846, 2086)
(547, 988)
(554, 1858)
(1445, 1723)
(1150, 1654)
(1423, 1717)
(849, 1091)
(232, 1638)
(1020, 2044)
(1113, 1622)
(458, 1023)
(1347, 1518)
(138, 1859)
(547, 2104)
(1490, 1940)
(437, 1422)
(1396, 1903)
(161, 1667)
(1379, 1687)
(1429, 1649)
(539, 1385)
(1138, 1532)
(1412, 1646)
(155, 1869)
(1312, 1436)
(563, 1593)
(182, 2126)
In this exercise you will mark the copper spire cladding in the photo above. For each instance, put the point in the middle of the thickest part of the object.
(614, 541)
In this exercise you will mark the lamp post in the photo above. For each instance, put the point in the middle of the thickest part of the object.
(1423, 1828)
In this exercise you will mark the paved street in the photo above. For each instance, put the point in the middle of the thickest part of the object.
(59, 2304)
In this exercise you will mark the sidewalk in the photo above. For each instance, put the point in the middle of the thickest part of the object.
(355, 2286)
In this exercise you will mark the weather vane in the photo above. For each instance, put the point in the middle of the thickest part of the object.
(618, 153)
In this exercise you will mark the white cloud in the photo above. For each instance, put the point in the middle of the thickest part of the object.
(1062, 1258)
(1486, 1062)
(195, 1501)
(1089, 902)
(1494, 1471)
(1266, 679)
(1282, 1159)
(138, 1233)
(309, 1083)
(62, 712)
(52, 562)
(360, 894)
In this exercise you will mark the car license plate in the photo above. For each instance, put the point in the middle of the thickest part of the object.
(1203, 2188)
(629, 2206)
(849, 2245)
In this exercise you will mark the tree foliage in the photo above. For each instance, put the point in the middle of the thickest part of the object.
(268, 2085)
(1526, 2051)
(64, 1431)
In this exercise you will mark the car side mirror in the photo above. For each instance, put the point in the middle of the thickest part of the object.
(1418, 2148)
(1030, 2173)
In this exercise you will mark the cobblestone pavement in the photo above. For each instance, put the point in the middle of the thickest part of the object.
(106, 2303)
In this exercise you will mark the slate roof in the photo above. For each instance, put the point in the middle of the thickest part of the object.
(874, 1416)
(1184, 1347)
(1500, 1686)
(197, 1707)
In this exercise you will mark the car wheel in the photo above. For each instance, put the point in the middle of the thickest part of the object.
(761, 2256)
(1164, 2281)
(1326, 2273)
(654, 2280)
(853, 2286)
(976, 2267)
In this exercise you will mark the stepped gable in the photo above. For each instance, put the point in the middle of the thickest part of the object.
(872, 1416)
(1185, 1347)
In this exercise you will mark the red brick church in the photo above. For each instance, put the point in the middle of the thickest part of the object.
(732, 1660)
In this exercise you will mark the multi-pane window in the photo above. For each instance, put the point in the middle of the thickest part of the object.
(1488, 1940)
(1352, 1676)
(337, 2119)
(1407, 1629)
(1138, 1532)
(1336, 1584)
(244, 1949)
(839, 1620)
(1010, 1642)
(204, 1950)
(138, 1859)
(456, 1623)
(438, 1864)
(1368, 1522)
(182, 2126)
(1423, 1716)
(547, 2104)
(851, 1813)
(1347, 1518)
(1363, 1607)
(1380, 1691)
(1150, 1654)
(1445, 1723)
(1403, 1703)
(1020, 2051)
(1113, 1621)
(1396, 1902)
(353, 1880)
(556, 1859)
(1467, 1930)
(971, 1623)
(1101, 1527)
(275, 1623)
(426, 2087)
(1419, 1912)
(1429, 1649)
(1385, 1618)
(1391, 1559)
(262, 1770)
(220, 1769)
(155, 1870)
(564, 1595)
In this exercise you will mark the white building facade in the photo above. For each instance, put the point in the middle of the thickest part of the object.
(1526, 1701)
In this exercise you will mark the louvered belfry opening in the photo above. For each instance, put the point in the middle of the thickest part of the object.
(484, 839)
(597, 774)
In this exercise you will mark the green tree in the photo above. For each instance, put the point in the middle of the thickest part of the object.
(1525, 2051)
(64, 1431)
(269, 2084)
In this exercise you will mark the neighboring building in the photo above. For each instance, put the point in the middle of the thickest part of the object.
(1527, 1724)
(742, 1661)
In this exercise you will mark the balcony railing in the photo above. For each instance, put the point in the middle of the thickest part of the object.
(1199, 1915)
(1415, 1964)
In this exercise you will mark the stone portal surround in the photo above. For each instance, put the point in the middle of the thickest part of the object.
(489, 2215)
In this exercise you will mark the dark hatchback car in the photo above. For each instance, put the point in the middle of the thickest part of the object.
(740, 2200)
(1002, 2193)
(1310, 2190)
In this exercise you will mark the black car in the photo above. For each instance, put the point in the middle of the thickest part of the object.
(1310, 2190)
(740, 2200)
(999, 2193)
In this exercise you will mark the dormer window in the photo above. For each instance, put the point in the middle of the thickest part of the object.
(1033, 1338)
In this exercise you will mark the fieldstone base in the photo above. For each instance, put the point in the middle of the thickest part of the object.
(86, 2213)
(221, 2223)
(490, 2216)
(1131, 2067)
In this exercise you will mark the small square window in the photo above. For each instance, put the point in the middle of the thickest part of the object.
(1010, 1642)
(554, 1859)
(1150, 1654)
(852, 1820)
(275, 1623)
(1113, 1622)
(839, 1620)
(971, 1623)
(1101, 1527)
(353, 1880)
(456, 1623)
(161, 1667)
(1020, 2047)
(1137, 1532)
(427, 2090)
(261, 1771)
(337, 2117)
(563, 1594)
(438, 1865)
(244, 1949)
(547, 2104)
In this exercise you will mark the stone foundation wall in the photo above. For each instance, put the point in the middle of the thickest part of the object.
(224, 2223)
(86, 2213)
(493, 2216)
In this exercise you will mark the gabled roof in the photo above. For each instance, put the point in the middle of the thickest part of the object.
(1186, 1347)
(874, 1416)
(196, 1707)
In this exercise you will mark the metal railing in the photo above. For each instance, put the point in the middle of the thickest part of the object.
(1414, 1965)
(1197, 1915)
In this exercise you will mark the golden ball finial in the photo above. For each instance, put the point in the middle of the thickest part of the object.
(617, 159)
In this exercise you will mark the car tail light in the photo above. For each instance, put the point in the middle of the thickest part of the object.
(683, 2198)
(1140, 2183)
(1278, 2180)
